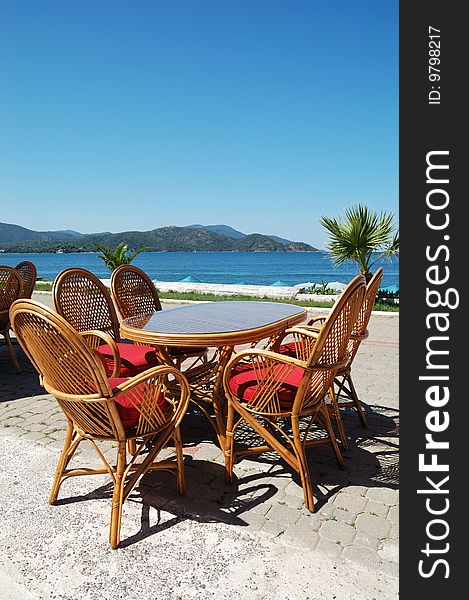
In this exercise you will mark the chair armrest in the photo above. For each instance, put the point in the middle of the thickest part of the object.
(305, 330)
(275, 356)
(359, 338)
(316, 320)
(162, 379)
(300, 329)
(95, 338)
(281, 358)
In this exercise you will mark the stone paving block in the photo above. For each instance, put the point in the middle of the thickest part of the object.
(389, 551)
(366, 541)
(352, 502)
(273, 528)
(326, 511)
(346, 516)
(373, 526)
(337, 531)
(253, 519)
(300, 537)
(363, 556)
(293, 501)
(11, 421)
(209, 452)
(283, 514)
(393, 515)
(34, 436)
(377, 508)
(383, 495)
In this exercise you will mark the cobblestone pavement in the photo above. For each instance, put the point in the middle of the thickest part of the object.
(357, 508)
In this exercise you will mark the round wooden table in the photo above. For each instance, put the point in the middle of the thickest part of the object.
(220, 325)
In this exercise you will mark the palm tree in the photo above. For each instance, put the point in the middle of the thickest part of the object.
(359, 234)
(119, 256)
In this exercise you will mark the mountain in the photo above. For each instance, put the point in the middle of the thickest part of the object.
(223, 229)
(281, 240)
(11, 234)
(194, 239)
(197, 238)
(234, 233)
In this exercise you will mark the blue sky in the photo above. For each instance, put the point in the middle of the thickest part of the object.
(260, 114)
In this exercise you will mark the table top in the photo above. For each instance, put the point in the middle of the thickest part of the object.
(213, 323)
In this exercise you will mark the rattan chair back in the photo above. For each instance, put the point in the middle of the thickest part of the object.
(11, 288)
(85, 302)
(28, 273)
(134, 292)
(329, 351)
(359, 331)
(69, 367)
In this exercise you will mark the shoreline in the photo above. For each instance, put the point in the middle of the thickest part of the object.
(278, 293)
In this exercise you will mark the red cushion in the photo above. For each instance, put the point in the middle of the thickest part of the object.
(288, 349)
(243, 383)
(134, 359)
(125, 402)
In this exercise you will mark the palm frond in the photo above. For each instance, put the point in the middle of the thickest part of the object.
(360, 233)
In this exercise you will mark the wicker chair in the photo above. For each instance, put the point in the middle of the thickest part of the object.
(136, 295)
(147, 408)
(84, 301)
(28, 273)
(346, 395)
(11, 288)
(275, 393)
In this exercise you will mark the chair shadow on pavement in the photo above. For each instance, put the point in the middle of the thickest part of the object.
(13, 385)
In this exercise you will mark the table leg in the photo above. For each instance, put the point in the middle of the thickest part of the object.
(206, 383)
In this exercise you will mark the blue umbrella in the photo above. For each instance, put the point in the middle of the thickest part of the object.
(278, 283)
(191, 279)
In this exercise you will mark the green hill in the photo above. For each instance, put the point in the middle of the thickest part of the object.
(14, 238)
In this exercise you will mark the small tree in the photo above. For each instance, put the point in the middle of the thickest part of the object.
(117, 257)
(359, 234)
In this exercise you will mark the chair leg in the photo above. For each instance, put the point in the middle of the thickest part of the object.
(338, 418)
(64, 459)
(117, 497)
(181, 485)
(229, 444)
(330, 431)
(11, 350)
(132, 446)
(356, 401)
(303, 466)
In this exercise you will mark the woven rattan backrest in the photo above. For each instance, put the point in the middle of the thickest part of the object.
(28, 273)
(134, 292)
(68, 366)
(11, 288)
(365, 312)
(84, 301)
(331, 345)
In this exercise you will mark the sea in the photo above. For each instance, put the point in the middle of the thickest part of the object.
(249, 268)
